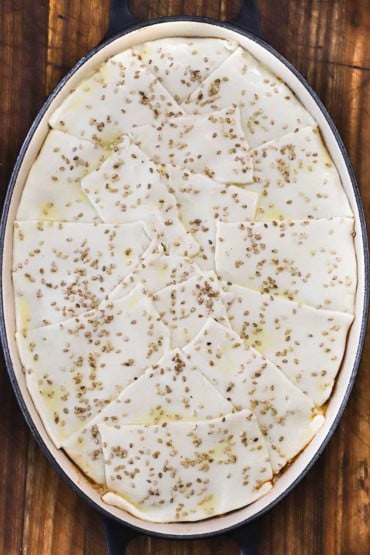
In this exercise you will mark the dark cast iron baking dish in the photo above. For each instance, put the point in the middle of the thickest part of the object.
(244, 530)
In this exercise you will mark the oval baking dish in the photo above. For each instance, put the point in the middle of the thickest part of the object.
(124, 33)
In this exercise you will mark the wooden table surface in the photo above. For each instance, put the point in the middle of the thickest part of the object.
(328, 513)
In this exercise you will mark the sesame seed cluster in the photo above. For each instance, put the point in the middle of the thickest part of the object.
(184, 278)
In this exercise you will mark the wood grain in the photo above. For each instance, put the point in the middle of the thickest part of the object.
(328, 513)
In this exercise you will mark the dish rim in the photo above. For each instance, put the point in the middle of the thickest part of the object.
(4, 265)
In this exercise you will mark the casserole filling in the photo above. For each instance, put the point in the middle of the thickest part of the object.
(184, 278)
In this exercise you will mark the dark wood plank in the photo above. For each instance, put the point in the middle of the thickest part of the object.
(23, 43)
(74, 28)
(22, 70)
(329, 511)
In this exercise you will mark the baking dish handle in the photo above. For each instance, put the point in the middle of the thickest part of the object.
(119, 536)
(247, 537)
(120, 18)
(248, 18)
